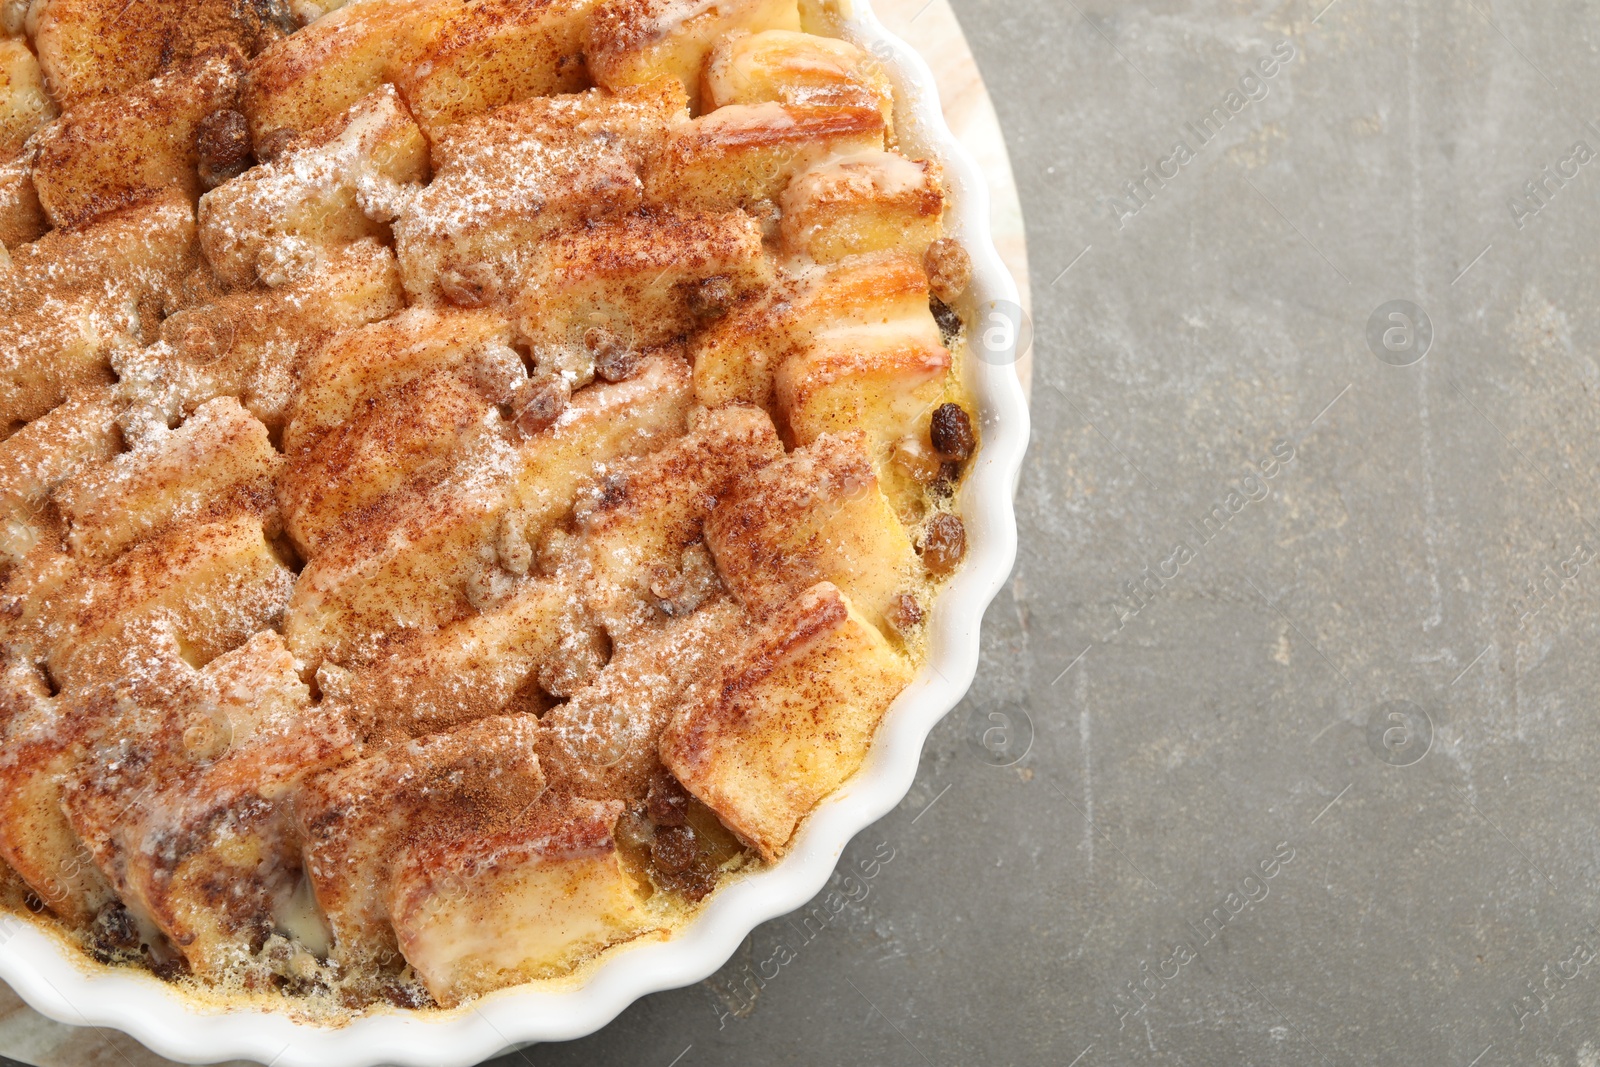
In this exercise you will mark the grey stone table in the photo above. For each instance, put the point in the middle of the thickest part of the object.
(1304, 618)
(1291, 707)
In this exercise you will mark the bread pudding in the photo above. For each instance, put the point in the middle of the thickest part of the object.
(474, 473)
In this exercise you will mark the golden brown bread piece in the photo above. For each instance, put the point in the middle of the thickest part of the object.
(496, 52)
(357, 367)
(405, 567)
(636, 281)
(870, 202)
(602, 743)
(636, 41)
(43, 743)
(211, 586)
(890, 384)
(97, 48)
(21, 218)
(636, 528)
(43, 454)
(506, 180)
(342, 181)
(800, 69)
(480, 667)
(817, 514)
(24, 104)
(744, 155)
(192, 821)
(495, 906)
(309, 78)
(255, 344)
(70, 298)
(450, 59)
(737, 358)
(115, 152)
(603, 424)
(356, 820)
(218, 462)
(398, 437)
(787, 719)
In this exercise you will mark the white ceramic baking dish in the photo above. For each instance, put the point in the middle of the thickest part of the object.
(57, 981)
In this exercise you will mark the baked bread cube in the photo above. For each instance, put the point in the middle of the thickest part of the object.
(886, 386)
(480, 667)
(80, 433)
(405, 568)
(789, 719)
(212, 586)
(344, 180)
(506, 181)
(355, 821)
(355, 368)
(745, 155)
(41, 746)
(736, 358)
(99, 48)
(70, 298)
(817, 514)
(311, 77)
(602, 425)
(635, 282)
(207, 850)
(255, 344)
(21, 218)
(872, 202)
(400, 436)
(496, 52)
(603, 742)
(24, 104)
(499, 906)
(800, 69)
(107, 154)
(636, 525)
(635, 41)
(219, 461)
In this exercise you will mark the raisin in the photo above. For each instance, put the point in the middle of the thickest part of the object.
(712, 298)
(173, 968)
(949, 269)
(949, 320)
(536, 405)
(113, 933)
(666, 585)
(694, 885)
(224, 147)
(613, 360)
(462, 290)
(951, 432)
(674, 849)
(275, 20)
(668, 803)
(273, 144)
(906, 614)
(944, 543)
(403, 994)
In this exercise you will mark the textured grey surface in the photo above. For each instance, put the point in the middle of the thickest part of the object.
(1440, 912)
